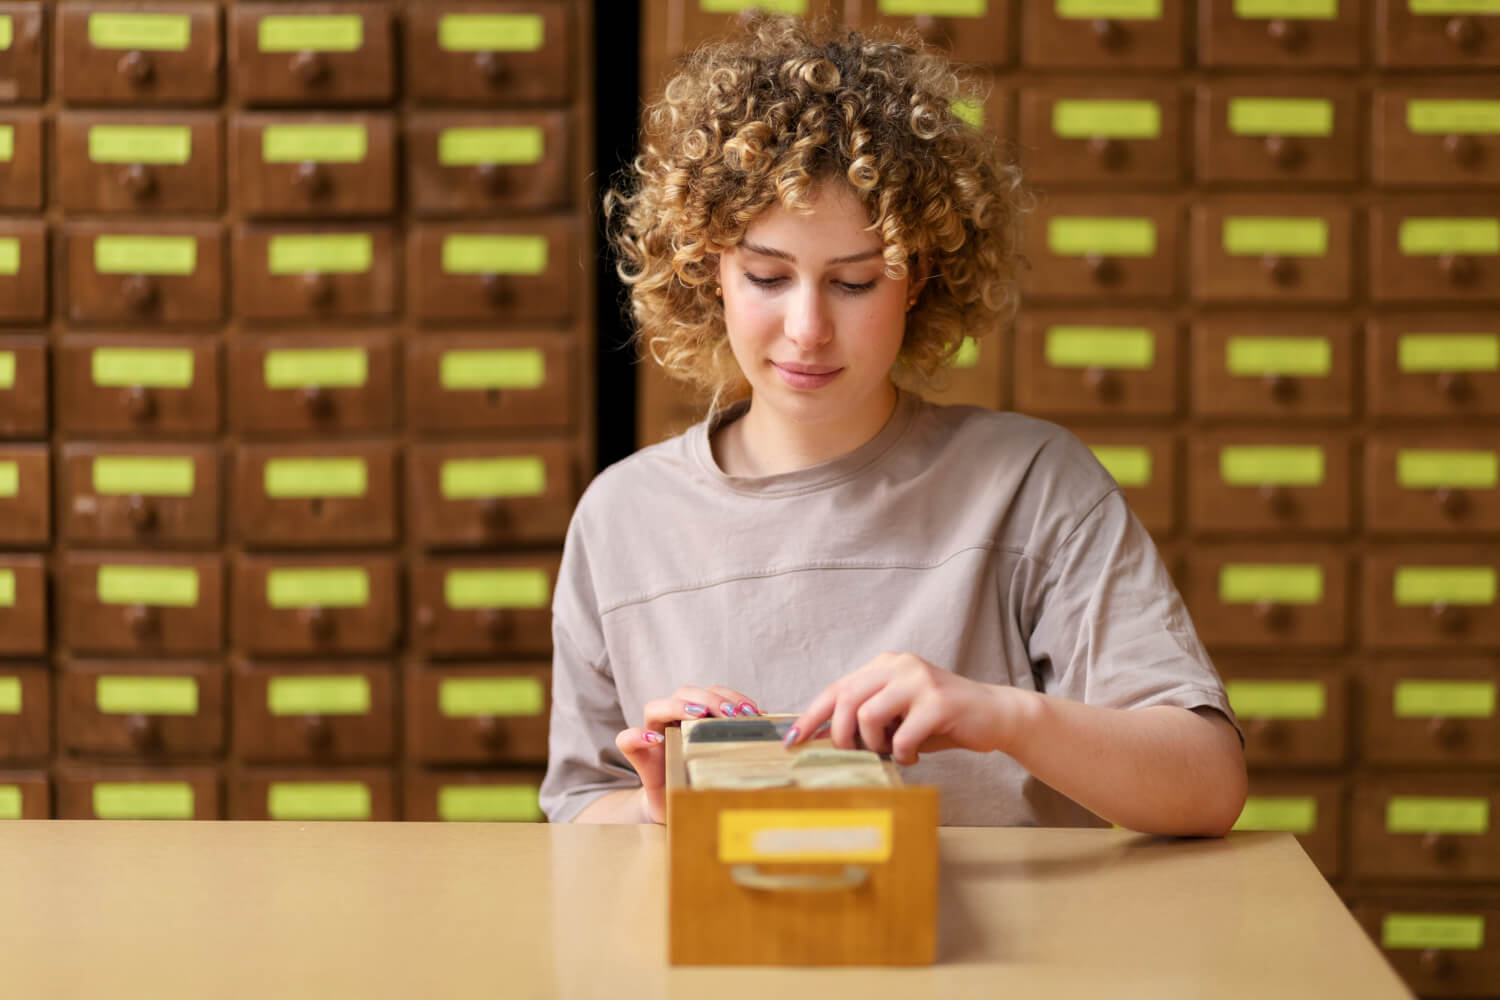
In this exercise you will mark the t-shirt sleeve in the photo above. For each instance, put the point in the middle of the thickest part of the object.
(1111, 629)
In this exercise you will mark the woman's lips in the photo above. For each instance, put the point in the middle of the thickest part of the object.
(806, 376)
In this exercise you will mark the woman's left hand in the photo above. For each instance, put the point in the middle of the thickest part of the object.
(900, 704)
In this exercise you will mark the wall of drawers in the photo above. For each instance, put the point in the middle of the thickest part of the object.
(1264, 285)
(296, 397)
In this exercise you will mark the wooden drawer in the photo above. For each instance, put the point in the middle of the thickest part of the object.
(155, 710)
(25, 716)
(507, 795)
(511, 272)
(974, 34)
(313, 164)
(1311, 808)
(1452, 370)
(23, 606)
(128, 273)
(1284, 248)
(1103, 246)
(1436, 135)
(1101, 131)
(318, 383)
(478, 714)
(1288, 481)
(1427, 827)
(142, 603)
(692, 22)
(314, 606)
(492, 493)
(1442, 942)
(977, 374)
(21, 77)
(1286, 130)
(1294, 715)
(1453, 36)
(313, 53)
(487, 606)
(138, 792)
(319, 495)
(23, 271)
(1269, 596)
(1426, 713)
(1432, 595)
(1434, 247)
(25, 495)
(314, 712)
(25, 795)
(490, 53)
(23, 387)
(1087, 363)
(323, 274)
(1433, 482)
(138, 384)
(21, 167)
(1235, 35)
(140, 164)
(1104, 34)
(1144, 462)
(491, 382)
(346, 794)
(140, 494)
(489, 163)
(138, 53)
(1270, 366)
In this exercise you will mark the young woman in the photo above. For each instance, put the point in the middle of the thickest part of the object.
(811, 232)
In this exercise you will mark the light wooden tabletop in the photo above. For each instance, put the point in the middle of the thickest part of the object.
(328, 910)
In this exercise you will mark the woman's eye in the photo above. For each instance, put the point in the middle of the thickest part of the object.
(763, 282)
(851, 287)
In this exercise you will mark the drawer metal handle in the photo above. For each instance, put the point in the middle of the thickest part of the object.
(1463, 32)
(136, 67)
(1290, 35)
(1278, 500)
(931, 28)
(496, 623)
(1102, 382)
(751, 877)
(319, 623)
(317, 288)
(1464, 150)
(318, 732)
(1269, 731)
(492, 177)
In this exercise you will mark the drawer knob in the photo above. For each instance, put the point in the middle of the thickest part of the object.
(1284, 152)
(1464, 32)
(1445, 731)
(140, 292)
(1451, 502)
(144, 732)
(1109, 152)
(1282, 270)
(491, 67)
(144, 621)
(1102, 382)
(1269, 731)
(139, 404)
(1272, 615)
(496, 622)
(1458, 267)
(319, 623)
(142, 513)
(1454, 385)
(1435, 963)
(317, 288)
(1441, 846)
(1464, 150)
(931, 28)
(136, 67)
(493, 513)
(310, 68)
(138, 180)
(1109, 32)
(1448, 618)
(317, 732)
(316, 401)
(1290, 35)
(496, 289)
(1104, 270)
(491, 732)
(311, 179)
(491, 177)
(1278, 500)
(1283, 388)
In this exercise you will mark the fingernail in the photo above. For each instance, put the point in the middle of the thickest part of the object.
(748, 709)
(651, 736)
(791, 736)
(692, 709)
(727, 710)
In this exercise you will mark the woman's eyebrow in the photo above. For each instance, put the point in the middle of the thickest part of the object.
(853, 258)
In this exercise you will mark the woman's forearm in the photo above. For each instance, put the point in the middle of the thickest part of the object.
(627, 805)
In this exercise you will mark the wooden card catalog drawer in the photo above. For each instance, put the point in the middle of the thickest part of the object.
(25, 495)
(138, 792)
(1438, 135)
(1103, 246)
(138, 53)
(25, 717)
(21, 76)
(1144, 462)
(500, 272)
(1434, 364)
(153, 710)
(313, 53)
(491, 381)
(1443, 943)
(23, 606)
(313, 383)
(494, 795)
(308, 606)
(1243, 35)
(314, 164)
(140, 163)
(23, 387)
(1269, 596)
(343, 795)
(487, 494)
(1430, 826)
(478, 714)
(142, 603)
(1282, 248)
(1271, 365)
(1104, 34)
(23, 271)
(1282, 481)
(1278, 131)
(490, 53)
(484, 606)
(1432, 596)
(1437, 34)
(976, 33)
(1434, 247)
(1433, 482)
(20, 159)
(138, 384)
(691, 22)
(1424, 712)
(1293, 715)
(1311, 808)
(489, 163)
(147, 495)
(1107, 131)
(323, 711)
(323, 274)
(1121, 361)
(128, 273)
(328, 494)
(25, 795)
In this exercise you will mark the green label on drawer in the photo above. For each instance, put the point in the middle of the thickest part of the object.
(318, 800)
(117, 475)
(323, 143)
(152, 367)
(1075, 236)
(1428, 117)
(334, 587)
(334, 368)
(969, 112)
(7, 143)
(1280, 116)
(1130, 466)
(466, 697)
(466, 479)
(496, 588)
(1471, 585)
(7, 369)
(968, 354)
(1259, 356)
(1429, 237)
(349, 253)
(311, 33)
(517, 369)
(1429, 814)
(176, 255)
(1078, 119)
(1320, 10)
(488, 803)
(147, 32)
(936, 8)
(481, 254)
(143, 800)
(1251, 583)
(1444, 699)
(1448, 352)
(466, 147)
(1302, 465)
(1277, 699)
(10, 255)
(316, 477)
(491, 32)
(1263, 234)
(1291, 813)
(1426, 470)
(162, 586)
(7, 588)
(10, 696)
(140, 144)
(7, 31)
(10, 480)
(10, 802)
(1100, 347)
(318, 695)
(146, 695)
(1441, 931)
(1139, 9)
(771, 7)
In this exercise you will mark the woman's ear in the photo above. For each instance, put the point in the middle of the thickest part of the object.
(918, 270)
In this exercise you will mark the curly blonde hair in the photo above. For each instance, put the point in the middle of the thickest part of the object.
(770, 113)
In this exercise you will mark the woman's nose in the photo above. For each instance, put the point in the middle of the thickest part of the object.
(808, 323)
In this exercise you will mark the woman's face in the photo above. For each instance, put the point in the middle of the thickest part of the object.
(812, 319)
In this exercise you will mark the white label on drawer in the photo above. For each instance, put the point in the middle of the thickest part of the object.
(1134, 9)
(320, 253)
(474, 253)
(524, 368)
(1430, 814)
(805, 835)
(500, 697)
(10, 255)
(7, 143)
(323, 143)
(1294, 237)
(7, 32)
(1441, 931)
(1444, 699)
(1118, 347)
(319, 695)
(147, 32)
(1289, 813)
(171, 144)
(470, 479)
(1423, 469)
(318, 800)
(1448, 352)
(496, 588)
(1130, 466)
(146, 695)
(769, 6)
(506, 146)
(171, 255)
(1078, 236)
(287, 478)
(934, 8)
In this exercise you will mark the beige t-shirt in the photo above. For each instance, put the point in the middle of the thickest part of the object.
(990, 544)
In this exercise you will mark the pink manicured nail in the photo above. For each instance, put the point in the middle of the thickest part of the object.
(791, 736)
(692, 708)
(748, 709)
(651, 736)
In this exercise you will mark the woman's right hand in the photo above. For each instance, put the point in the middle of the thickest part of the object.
(645, 747)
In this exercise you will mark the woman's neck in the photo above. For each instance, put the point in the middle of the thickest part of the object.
(763, 443)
